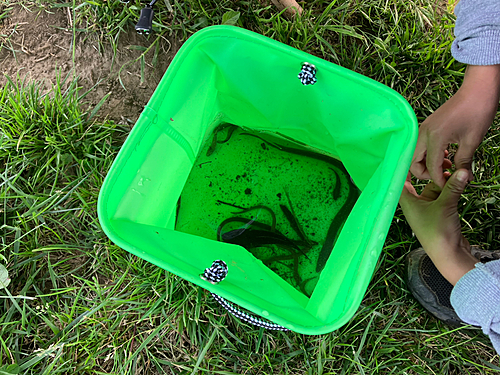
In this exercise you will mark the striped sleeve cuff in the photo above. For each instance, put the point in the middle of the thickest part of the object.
(477, 32)
(480, 49)
(476, 299)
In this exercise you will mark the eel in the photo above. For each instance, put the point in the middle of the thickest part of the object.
(228, 135)
(303, 284)
(251, 238)
(177, 210)
(262, 207)
(336, 227)
(213, 145)
(240, 220)
(336, 189)
(294, 267)
(237, 232)
(303, 152)
(292, 218)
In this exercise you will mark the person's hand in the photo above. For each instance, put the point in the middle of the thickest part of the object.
(433, 217)
(464, 119)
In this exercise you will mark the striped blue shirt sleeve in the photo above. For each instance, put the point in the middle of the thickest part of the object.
(477, 32)
(476, 299)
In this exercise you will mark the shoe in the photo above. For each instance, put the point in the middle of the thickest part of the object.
(484, 256)
(431, 289)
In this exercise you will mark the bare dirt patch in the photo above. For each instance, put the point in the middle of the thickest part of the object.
(39, 45)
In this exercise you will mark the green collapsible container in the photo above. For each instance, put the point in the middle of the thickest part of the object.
(225, 74)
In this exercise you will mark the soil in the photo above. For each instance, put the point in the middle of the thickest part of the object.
(38, 45)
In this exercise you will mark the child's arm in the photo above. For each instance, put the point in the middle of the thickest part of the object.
(433, 216)
(465, 118)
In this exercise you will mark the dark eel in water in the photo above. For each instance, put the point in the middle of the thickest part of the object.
(220, 236)
(292, 218)
(303, 284)
(216, 131)
(336, 189)
(336, 226)
(251, 238)
(266, 236)
(261, 207)
(303, 152)
(294, 267)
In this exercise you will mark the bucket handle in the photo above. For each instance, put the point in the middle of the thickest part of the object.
(214, 275)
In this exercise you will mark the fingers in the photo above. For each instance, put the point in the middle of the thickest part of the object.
(435, 161)
(409, 188)
(417, 166)
(419, 170)
(454, 188)
(420, 164)
(447, 164)
(408, 195)
(463, 158)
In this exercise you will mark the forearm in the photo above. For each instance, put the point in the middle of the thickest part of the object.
(451, 261)
(483, 82)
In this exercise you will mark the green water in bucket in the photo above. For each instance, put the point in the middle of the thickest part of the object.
(282, 201)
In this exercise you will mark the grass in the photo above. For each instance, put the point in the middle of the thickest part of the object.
(79, 304)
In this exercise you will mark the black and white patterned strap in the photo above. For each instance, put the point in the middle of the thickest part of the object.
(308, 74)
(215, 274)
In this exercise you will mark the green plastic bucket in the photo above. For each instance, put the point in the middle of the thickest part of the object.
(228, 74)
